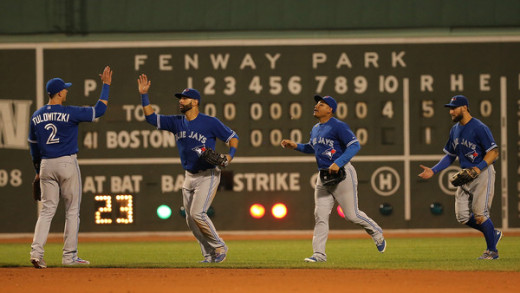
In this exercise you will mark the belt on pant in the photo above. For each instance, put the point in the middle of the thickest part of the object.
(199, 171)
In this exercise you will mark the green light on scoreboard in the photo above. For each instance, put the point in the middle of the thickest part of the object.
(164, 212)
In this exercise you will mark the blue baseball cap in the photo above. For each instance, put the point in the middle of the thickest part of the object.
(458, 101)
(328, 100)
(189, 93)
(56, 85)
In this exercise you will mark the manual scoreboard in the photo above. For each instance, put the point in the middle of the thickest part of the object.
(390, 91)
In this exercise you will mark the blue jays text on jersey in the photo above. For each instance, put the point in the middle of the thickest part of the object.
(329, 141)
(470, 142)
(194, 136)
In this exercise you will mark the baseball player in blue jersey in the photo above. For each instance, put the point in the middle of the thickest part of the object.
(194, 133)
(472, 143)
(53, 139)
(334, 144)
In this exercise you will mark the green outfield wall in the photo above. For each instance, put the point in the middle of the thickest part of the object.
(131, 16)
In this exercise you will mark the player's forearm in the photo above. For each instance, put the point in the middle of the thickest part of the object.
(349, 153)
(304, 148)
(36, 157)
(489, 158)
(149, 113)
(100, 108)
(147, 108)
(443, 164)
(101, 105)
(104, 93)
(233, 145)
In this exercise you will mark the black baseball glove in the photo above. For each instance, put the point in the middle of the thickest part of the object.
(214, 158)
(37, 193)
(329, 179)
(464, 176)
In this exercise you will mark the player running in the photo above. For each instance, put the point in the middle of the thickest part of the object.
(472, 142)
(195, 133)
(53, 139)
(334, 145)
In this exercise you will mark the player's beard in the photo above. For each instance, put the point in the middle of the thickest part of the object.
(186, 108)
(457, 118)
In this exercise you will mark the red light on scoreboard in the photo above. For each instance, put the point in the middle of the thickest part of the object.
(257, 211)
(279, 211)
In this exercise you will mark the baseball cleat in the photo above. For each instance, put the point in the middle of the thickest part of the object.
(313, 259)
(489, 255)
(498, 236)
(221, 256)
(77, 261)
(38, 263)
(208, 259)
(381, 245)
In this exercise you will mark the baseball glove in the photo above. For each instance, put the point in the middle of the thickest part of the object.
(329, 179)
(464, 176)
(37, 193)
(214, 158)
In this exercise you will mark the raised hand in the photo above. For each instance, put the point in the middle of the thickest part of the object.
(143, 84)
(106, 76)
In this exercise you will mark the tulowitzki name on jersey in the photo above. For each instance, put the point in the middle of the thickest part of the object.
(53, 116)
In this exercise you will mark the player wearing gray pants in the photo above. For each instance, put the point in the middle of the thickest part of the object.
(53, 139)
(334, 144)
(345, 193)
(472, 199)
(195, 133)
(473, 144)
(197, 201)
(59, 176)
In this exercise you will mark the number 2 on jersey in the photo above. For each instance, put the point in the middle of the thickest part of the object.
(52, 137)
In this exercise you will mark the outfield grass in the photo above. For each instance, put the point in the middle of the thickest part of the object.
(402, 253)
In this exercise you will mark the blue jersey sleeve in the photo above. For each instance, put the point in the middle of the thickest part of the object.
(348, 142)
(32, 134)
(99, 109)
(153, 119)
(345, 135)
(35, 150)
(349, 153)
(167, 122)
(444, 163)
(486, 139)
(222, 132)
(81, 114)
(305, 148)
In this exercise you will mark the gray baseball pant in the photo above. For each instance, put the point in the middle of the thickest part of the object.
(476, 197)
(345, 193)
(198, 192)
(59, 177)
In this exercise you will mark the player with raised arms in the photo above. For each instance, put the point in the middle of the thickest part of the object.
(196, 134)
(53, 139)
